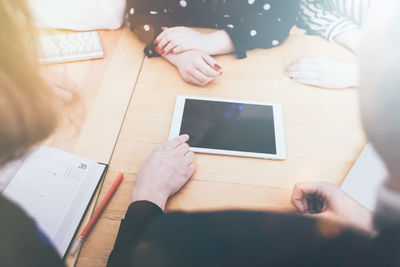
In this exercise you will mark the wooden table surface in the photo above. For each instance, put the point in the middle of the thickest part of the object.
(90, 125)
(323, 130)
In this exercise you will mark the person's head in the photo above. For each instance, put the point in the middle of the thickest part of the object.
(26, 106)
(380, 83)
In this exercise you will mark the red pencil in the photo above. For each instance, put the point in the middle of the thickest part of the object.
(97, 213)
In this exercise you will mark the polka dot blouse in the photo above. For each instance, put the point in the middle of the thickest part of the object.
(249, 23)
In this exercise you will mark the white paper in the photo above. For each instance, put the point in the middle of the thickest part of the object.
(365, 178)
(8, 172)
(54, 187)
(78, 15)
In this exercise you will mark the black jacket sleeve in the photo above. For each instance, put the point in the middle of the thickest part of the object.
(250, 24)
(137, 218)
(264, 24)
(21, 243)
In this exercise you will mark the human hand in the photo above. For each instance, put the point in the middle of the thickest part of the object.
(323, 72)
(181, 39)
(327, 201)
(164, 172)
(195, 67)
(62, 85)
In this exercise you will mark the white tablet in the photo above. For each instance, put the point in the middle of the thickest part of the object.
(228, 127)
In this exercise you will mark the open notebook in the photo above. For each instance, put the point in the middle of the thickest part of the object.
(53, 187)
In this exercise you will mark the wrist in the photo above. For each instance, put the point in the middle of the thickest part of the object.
(350, 39)
(367, 224)
(150, 194)
(172, 58)
(219, 43)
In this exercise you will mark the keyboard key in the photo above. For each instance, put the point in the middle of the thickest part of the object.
(70, 47)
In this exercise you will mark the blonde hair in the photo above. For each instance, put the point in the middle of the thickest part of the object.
(26, 102)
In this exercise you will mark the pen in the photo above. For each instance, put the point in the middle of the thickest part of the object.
(97, 213)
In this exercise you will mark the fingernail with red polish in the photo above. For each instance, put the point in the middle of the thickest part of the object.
(218, 67)
(157, 48)
(155, 42)
(162, 52)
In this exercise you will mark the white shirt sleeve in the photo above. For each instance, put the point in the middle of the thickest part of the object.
(81, 15)
(320, 19)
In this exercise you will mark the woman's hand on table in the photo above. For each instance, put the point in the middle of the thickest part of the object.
(181, 39)
(327, 201)
(164, 172)
(195, 67)
(323, 72)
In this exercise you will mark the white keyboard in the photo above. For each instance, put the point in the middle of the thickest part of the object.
(70, 47)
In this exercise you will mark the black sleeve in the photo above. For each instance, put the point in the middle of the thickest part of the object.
(146, 19)
(250, 24)
(137, 218)
(21, 243)
(246, 238)
(263, 24)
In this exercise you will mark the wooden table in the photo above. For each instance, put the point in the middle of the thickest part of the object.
(90, 124)
(323, 133)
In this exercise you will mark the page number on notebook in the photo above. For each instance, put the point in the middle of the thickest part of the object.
(82, 166)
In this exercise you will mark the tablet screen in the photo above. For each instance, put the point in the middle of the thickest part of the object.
(229, 126)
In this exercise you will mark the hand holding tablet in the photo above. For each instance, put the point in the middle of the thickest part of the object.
(227, 127)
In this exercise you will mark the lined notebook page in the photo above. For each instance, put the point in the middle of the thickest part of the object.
(8, 172)
(55, 187)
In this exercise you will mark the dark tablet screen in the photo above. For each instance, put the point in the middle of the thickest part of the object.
(229, 126)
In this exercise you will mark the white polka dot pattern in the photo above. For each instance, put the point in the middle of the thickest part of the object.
(183, 3)
(244, 20)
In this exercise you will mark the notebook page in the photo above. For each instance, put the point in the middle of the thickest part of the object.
(68, 227)
(8, 172)
(52, 186)
(365, 178)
